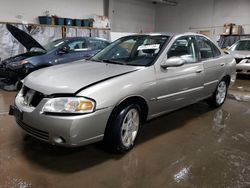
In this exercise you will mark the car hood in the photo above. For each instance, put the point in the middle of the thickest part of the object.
(70, 78)
(240, 54)
(25, 39)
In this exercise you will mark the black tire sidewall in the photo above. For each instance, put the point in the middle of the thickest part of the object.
(117, 125)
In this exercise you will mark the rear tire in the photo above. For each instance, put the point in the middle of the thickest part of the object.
(219, 96)
(123, 128)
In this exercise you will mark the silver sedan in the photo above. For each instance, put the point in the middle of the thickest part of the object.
(241, 52)
(134, 79)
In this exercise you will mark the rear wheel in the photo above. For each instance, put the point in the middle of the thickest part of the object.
(220, 94)
(123, 129)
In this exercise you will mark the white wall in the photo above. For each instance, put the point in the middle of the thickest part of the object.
(116, 35)
(132, 16)
(31, 9)
(196, 15)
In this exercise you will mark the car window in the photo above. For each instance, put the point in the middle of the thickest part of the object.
(77, 46)
(185, 48)
(207, 49)
(216, 51)
(54, 44)
(97, 44)
(243, 45)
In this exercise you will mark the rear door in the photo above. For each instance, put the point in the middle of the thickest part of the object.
(213, 63)
(180, 86)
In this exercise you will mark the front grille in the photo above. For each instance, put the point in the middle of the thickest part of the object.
(36, 99)
(238, 60)
(33, 131)
(238, 70)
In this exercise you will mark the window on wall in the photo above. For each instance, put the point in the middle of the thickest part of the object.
(185, 48)
(207, 49)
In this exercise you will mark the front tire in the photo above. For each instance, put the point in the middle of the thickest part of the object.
(219, 95)
(123, 129)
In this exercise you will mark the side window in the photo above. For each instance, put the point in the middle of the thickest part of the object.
(97, 44)
(216, 51)
(207, 49)
(77, 46)
(185, 48)
(103, 44)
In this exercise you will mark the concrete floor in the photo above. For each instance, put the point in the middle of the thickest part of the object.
(192, 147)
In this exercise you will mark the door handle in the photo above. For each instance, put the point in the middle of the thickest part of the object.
(198, 71)
(222, 64)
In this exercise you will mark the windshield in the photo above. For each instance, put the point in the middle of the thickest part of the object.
(242, 46)
(54, 44)
(139, 50)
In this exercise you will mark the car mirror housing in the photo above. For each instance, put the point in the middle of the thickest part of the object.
(226, 51)
(173, 62)
(64, 50)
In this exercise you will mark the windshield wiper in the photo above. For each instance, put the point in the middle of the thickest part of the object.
(113, 62)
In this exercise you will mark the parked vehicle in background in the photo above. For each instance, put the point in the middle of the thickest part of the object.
(241, 52)
(134, 79)
(54, 53)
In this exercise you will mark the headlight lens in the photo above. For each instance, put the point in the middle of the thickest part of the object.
(23, 62)
(17, 64)
(75, 105)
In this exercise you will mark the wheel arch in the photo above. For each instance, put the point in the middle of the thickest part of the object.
(228, 79)
(135, 99)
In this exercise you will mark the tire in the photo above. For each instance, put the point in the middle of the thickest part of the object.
(219, 96)
(123, 128)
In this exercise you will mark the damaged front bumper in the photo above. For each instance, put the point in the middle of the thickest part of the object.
(14, 73)
(243, 67)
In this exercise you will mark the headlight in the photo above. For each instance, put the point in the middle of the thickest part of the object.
(75, 105)
(23, 62)
(17, 64)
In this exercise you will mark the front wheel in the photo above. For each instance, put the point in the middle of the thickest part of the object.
(123, 129)
(220, 94)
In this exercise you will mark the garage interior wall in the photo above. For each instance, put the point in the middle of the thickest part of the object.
(132, 16)
(29, 10)
(203, 15)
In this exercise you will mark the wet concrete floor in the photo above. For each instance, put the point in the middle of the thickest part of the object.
(193, 147)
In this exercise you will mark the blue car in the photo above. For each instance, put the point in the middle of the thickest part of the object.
(37, 56)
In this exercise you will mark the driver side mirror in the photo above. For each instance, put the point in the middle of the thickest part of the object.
(64, 50)
(173, 62)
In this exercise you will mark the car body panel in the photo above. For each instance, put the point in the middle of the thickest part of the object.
(79, 75)
(163, 90)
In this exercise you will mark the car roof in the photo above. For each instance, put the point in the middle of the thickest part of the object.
(79, 38)
(167, 34)
(246, 39)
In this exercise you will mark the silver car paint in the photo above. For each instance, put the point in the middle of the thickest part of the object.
(244, 65)
(164, 90)
(69, 78)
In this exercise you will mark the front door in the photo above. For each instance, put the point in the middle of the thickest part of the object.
(179, 86)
